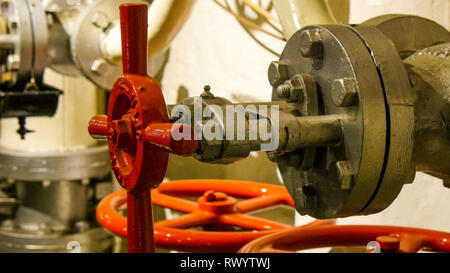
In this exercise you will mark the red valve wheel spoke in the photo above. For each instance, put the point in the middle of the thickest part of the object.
(189, 220)
(262, 203)
(243, 189)
(174, 203)
(216, 209)
(251, 222)
(411, 243)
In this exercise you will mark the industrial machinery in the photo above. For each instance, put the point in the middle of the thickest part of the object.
(358, 109)
(48, 194)
(71, 37)
(355, 111)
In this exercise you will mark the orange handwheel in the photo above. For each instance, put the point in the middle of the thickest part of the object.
(217, 208)
(387, 238)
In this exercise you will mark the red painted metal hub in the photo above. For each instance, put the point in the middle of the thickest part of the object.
(217, 202)
(137, 129)
(390, 239)
(216, 208)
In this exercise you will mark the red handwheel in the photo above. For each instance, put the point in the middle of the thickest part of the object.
(138, 130)
(217, 208)
(387, 238)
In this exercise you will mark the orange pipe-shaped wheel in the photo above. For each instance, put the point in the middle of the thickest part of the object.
(217, 208)
(389, 239)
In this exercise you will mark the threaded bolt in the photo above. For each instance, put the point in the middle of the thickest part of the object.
(284, 91)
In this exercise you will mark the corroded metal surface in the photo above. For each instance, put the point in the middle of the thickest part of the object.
(398, 165)
(318, 190)
(430, 76)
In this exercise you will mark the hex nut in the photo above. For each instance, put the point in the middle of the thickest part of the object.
(306, 200)
(13, 62)
(345, 173)
(100, 20)
(124, 134)
(293, 90)
(311, 45)
(447, 183)
(298, 89)
(99, 66)
(344, 92)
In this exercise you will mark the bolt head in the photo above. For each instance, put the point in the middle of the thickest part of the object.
(311, 45)
(447, 183)
(273, 156)
(297, 88)
(13, 62)
(345, 173)
(278, 73)
(50, 19)
(8, 224)
(100, 20)
(124, 133)
(211, 196)
(82, 226)
(44, 228)
(306, 200)
(344, 92)
(99, 66)
(46, 183)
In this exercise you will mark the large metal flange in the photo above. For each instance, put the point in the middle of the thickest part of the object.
(40, 39)
(94, 24)
(344, 177)
(399, 167)
(135, 103)
(20, 62)
(28, 35)
(409, 33)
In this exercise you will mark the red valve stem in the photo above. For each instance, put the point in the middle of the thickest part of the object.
(98, 127)
(134, 38)
(124, 133)
(171, 137)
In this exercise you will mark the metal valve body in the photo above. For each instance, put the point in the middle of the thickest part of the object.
(358, 114)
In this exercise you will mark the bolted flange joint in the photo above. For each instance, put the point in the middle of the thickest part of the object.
(344, 92)
(311, 45)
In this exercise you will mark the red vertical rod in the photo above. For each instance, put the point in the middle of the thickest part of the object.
(140, 238)
(134, 25)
